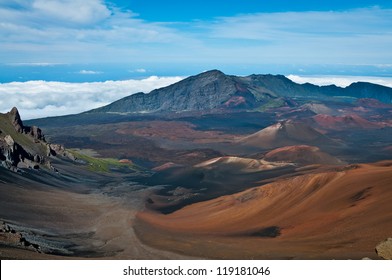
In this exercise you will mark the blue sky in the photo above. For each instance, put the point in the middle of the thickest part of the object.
(237, 36)
(177, 10)
(95, 41)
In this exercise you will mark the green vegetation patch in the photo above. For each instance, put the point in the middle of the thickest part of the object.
(96, 164)
(273, 103)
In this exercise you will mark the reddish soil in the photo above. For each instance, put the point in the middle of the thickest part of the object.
(372, 103)
(338, 214)
(344, 122)
(172, 130)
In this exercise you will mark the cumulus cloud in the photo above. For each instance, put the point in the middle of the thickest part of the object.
(36, 99)
(72, 11)
(76, 30)
(54, 12)
(342, 81)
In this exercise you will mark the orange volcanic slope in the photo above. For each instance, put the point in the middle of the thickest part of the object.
(333, 213)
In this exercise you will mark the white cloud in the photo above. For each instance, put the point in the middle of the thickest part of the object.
(335, 37)
(342, 81)
(36, 99)
(89, 72)
(72, 11)
(76, 31)
(138, 70)
(312, 24)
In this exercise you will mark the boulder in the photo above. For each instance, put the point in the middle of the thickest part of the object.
(384, 249)
(9, 140)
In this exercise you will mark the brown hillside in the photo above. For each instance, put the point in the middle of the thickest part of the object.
(336, 214)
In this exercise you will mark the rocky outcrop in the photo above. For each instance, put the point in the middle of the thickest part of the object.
(384, 249)
(59, 150)
(14, 155)
(24, 146)
(35, 132)
(11, 237)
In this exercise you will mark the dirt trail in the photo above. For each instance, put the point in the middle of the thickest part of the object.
(115, 227)
(90, 225)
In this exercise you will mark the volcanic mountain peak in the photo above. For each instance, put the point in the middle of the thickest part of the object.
(213, 91)
(206, 91)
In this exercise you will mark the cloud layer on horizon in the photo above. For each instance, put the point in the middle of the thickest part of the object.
(36, 99)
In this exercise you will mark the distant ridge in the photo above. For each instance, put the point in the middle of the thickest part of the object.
(215, 91)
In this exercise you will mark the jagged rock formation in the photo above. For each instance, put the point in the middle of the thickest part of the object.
(24, 146)
(384, 249)
(15, 119)
(17, 123)
(215, 91)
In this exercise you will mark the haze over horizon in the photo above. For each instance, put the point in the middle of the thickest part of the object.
(119, 41)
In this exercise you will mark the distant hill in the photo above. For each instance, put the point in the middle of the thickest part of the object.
(345, 122)
(215, 91)
(302, 154)
(285, 133)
